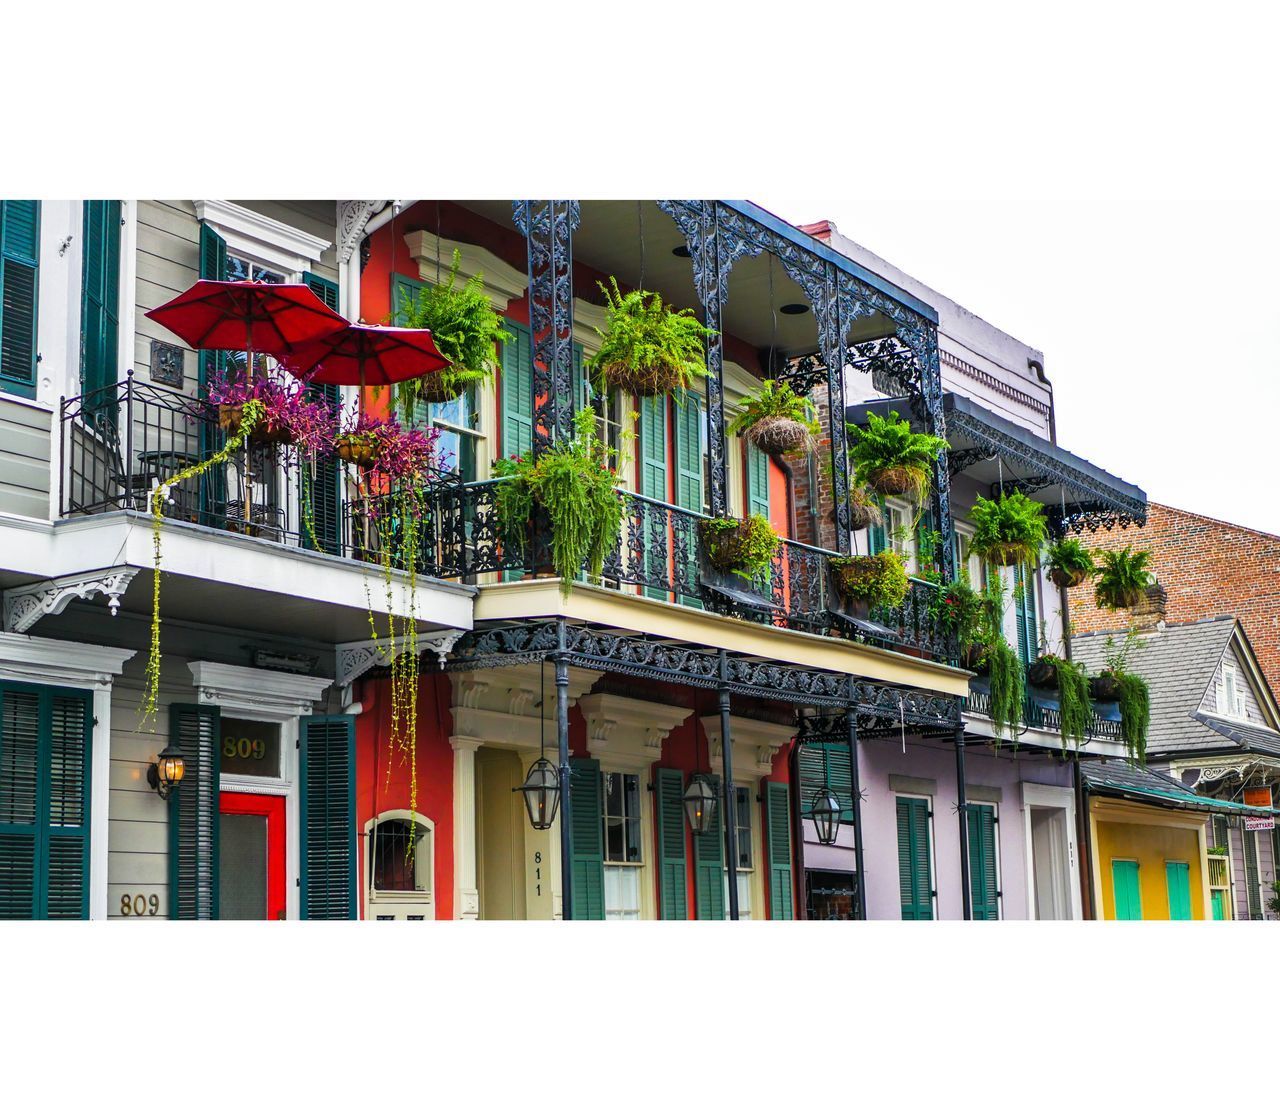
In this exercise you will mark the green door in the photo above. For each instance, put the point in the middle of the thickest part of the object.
(984, 875)
(1178, 876)
(1124, 878)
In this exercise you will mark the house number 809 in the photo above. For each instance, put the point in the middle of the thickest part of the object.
(139, 906)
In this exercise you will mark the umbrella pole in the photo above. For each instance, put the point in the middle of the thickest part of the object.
(248, 461)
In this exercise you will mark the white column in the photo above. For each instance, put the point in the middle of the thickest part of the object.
(100, 801)
(466, 896)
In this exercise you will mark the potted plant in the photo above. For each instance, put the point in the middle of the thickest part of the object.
(1068, 562)
(648, 348)
(958, 610)
(864, 510)
(1116, 684)
(865, 582)
(1273, 903)
(1123, 577)
(362, 435)
(466, 330)
(744, 547)
(777, 419)
(289, 414)
(1009, 529)
(577, 486)
(1071, 682)
(892, 459)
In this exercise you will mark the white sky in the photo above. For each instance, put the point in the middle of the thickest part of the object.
(1159, 322)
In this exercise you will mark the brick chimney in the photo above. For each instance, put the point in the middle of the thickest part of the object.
(1150, 611)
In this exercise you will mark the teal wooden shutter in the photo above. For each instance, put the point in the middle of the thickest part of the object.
(757, 481)
(45, 738)
(99, 306)
(984, 877)
(877, 538)
(326, 486)
(1249, 840)
(778, 813)
(653, 484)
(517, 393)
(708, 854)
(586, 838)
(193, 813)
(827, 764)
(19, 290)
(327, 776)
(404, 292)
(673, 874)
(688, 432)
(1178, 876)
(1024, 609)
(213, 483)
(915, 879)
(1124, 878)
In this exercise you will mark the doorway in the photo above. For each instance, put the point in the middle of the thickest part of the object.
(1049, 864)
(251, 857)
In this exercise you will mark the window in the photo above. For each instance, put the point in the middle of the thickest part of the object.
(1128, 892)
(899, 527)
(19, 281)
(1178, 882)
(915, 858)
(966, 562)
(623, 846)
(831, 895)
(250, 747)
(742, 834)
(1253, 887)
(394, 868)
(1230, 694)
(242, 268)
(826, 764)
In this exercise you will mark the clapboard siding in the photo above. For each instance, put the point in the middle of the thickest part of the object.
(168, 263)
(25, 443)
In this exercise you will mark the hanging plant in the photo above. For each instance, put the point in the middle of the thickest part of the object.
(1105, 686)
(1009, 529)
(890, 458)
(289, 415)
(1068, 562)
(466, 330)
(1123, 578)
(574, 481)
(1116, 684)
(870, 581)
(251, 418)
(864, 510)
(1004, 670)
(1071, 682)
(959, 612)
(648, 348)
(746, 548)
(777, 420)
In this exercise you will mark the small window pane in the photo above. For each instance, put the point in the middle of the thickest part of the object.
(250, 748)
(393, 869)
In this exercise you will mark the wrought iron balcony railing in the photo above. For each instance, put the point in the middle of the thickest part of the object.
(658, 554)
(1038, 716)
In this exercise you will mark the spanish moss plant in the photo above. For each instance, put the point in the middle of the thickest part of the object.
(1123, 576)
(1074, 705)
(892, 459)
(1006, 673)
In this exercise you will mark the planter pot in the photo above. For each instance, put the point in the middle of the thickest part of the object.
(355, 450)
(272, 433)
(972, 656)
(1065, 579)
(861, 516)
(776, 435)
(434, 388)
(229, 416)
(1006, 554)
(652, 381)
(1104, 687)
(724, 546)
(1043, 674)
(892, 480)
(1124, 598)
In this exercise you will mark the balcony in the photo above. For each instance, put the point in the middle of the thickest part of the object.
(1040, 714)
(658, 555)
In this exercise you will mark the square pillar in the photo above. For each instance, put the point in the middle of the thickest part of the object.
(466, 896)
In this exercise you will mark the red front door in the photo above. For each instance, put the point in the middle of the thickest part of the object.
(251, 856)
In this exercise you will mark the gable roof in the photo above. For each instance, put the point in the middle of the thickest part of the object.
(1178, 663)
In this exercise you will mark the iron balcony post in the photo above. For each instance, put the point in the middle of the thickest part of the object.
(860, 880)
(964, 825)
(730, 797)
(62, 456)
(128, 441)
(562, 748)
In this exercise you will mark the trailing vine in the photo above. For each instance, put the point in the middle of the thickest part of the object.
(253, 415)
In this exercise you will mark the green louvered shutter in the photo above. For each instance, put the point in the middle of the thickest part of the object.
(984, 891)
(1178, 877)
(757, 481)
(877, 538)
(45, 736)
(326, 486)
(19, 287)
(327, 776)
(1249, 840)
(517, 392)
(1128, 891)
(708, 854)
(827, 764)
(688, 431)
(673, 877)
(213, 483)
(404, 291)
(915, 878)
(653, 484)
(778, 812)
(1024, 611)
(99, 305)
(193, 813)
(586, 839)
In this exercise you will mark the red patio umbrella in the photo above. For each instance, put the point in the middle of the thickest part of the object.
(367, 354)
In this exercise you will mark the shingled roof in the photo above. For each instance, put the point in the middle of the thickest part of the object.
(1178, 662)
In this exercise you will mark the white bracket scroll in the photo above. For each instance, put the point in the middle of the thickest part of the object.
(24, 606)
(357, 658)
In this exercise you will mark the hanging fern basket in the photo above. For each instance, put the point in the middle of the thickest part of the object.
(893, 480)
(436, 388)
(778, 435)
(1007, 555)
(1043, 673)
(1120, 598)
(1104, 687)
(1065, 579)
(644, 381)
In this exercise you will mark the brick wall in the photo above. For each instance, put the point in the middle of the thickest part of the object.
(798, 464)
(1206, 568)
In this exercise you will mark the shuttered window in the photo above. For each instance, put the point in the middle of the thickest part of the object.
(213, 484)
(757, 481)
(44, 802)
(826, 764)
(586, 839)
(690, 426)
(19, 289)
(1250, 842)
(653, 484)
(99, 305)
(1128, 891)
(673, 883)
(1024, 613)
(984, 864)
(517, 392)
(778, 811)
(327, 776)
(915, 859)
(708, 854)
(1178, 878)
(325, 477)
(193, 814)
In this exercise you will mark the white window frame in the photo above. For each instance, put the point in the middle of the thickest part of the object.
(632, 867)
(895, 507)
(747, 877)
(400, 904)
(973, 565)
(271, 243)
(1038, 796)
